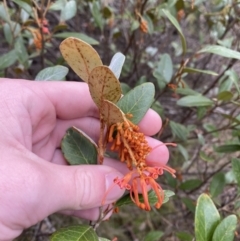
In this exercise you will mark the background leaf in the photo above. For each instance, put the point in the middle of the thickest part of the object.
(75, 233)
(8, 59)
(193, 70)
(194, 101)
(116, 64)
(206, 218)
(57, 72)
(69, 10)
(137, 101)
(80, 56)
(153, 236)
(217, 184)
(78, 148)
(225, 230)
(236, 169)
(228, 148)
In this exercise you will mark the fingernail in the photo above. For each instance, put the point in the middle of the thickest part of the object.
(113, 190)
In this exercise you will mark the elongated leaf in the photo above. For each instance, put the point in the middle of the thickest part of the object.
(116, 64)
(179, 130)
(103, 85)
(3, 13)
(220, 50)
(8, 59)
(103, 239)
(190, 184)
(228, 148)
(137, 101)
(186, 91)
(58, 5)
(75, 233)
(69, 10)
(217, 184)
(225, 230)
(184, 236)
(126, 200)
(25, 6)
(194, 101)
(236, 169)
(81, 57)
(192, 70)
(111, 113)
(78, 148)
(153, 236)
(77, 35)
(225, 96)
(206, 218)
(57, 72)
(175, 23)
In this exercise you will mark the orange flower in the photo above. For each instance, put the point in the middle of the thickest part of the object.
(133, 149)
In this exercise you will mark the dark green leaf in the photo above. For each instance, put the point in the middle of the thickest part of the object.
(153, 236)
(174, 21)
(81, 36)
(126, 200)
(220, 50)
(57, 72)
(186, 91)
(78, 148)
(125, 88)
(194, 100)
(69, 10)
(190, 184)
(137, 101)
(25, 6)
(189, 203)
(217, 184)
(225, 96)
(184, 236)
(97, 15)
(21, 52)
(206, 157)
(75, 233)
(192, 70)
(183, 151)
(8, 59)
(225, 230)
(236, 169)
(228, 148)
(206, 218)
(179, 130)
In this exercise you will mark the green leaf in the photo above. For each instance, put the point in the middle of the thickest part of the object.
(194, 100)
(164, 68)
(206, 218)
(189, 203)
(81, 36)
(78, 148)
(153, 236)
(225, 96)
(186, 91)
(4, 14)
(116, 64)
(25, 6)
(69, 10)
(97, 15)
(126, 200)
(184, 236)
(217, 184)
(220, 50)
(125, 88)
(137, 101)
(58, 5)
(103, 239)
(183, 151)
(192, 70)
(205, 157)
(179, 130)
(225, 230)
(21, 52)
(75, 233)
(174, 21)
(190, 184)
(228, 148)
(236, 169)
(8, 32)
(8, 59)
(57, 72)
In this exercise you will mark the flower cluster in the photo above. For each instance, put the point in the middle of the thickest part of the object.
(133, 149)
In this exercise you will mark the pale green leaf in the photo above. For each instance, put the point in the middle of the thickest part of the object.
(58, 5)
(174, 21)
(57, 72)
(3, 13)
(220, 50)
(69, 10)
(192, 70)
(236, 169)
(8, 59)
(153, 236)
(25, 6)
(103, 239)
(206, 218)
(217, 184)
(116, 64)
(179, 130)
(137, 101)
(194, 101)
(225, 231)
(78, 148)
(186, 91)
(75, 233)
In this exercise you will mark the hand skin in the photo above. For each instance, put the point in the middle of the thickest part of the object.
(35, 180)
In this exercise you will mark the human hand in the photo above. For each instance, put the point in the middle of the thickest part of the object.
(35, 180)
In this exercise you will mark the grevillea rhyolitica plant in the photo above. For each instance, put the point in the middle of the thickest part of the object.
(119, 116)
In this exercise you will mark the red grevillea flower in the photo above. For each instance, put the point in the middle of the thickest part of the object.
(133, 150)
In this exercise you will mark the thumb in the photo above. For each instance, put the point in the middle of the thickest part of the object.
(81, 187)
